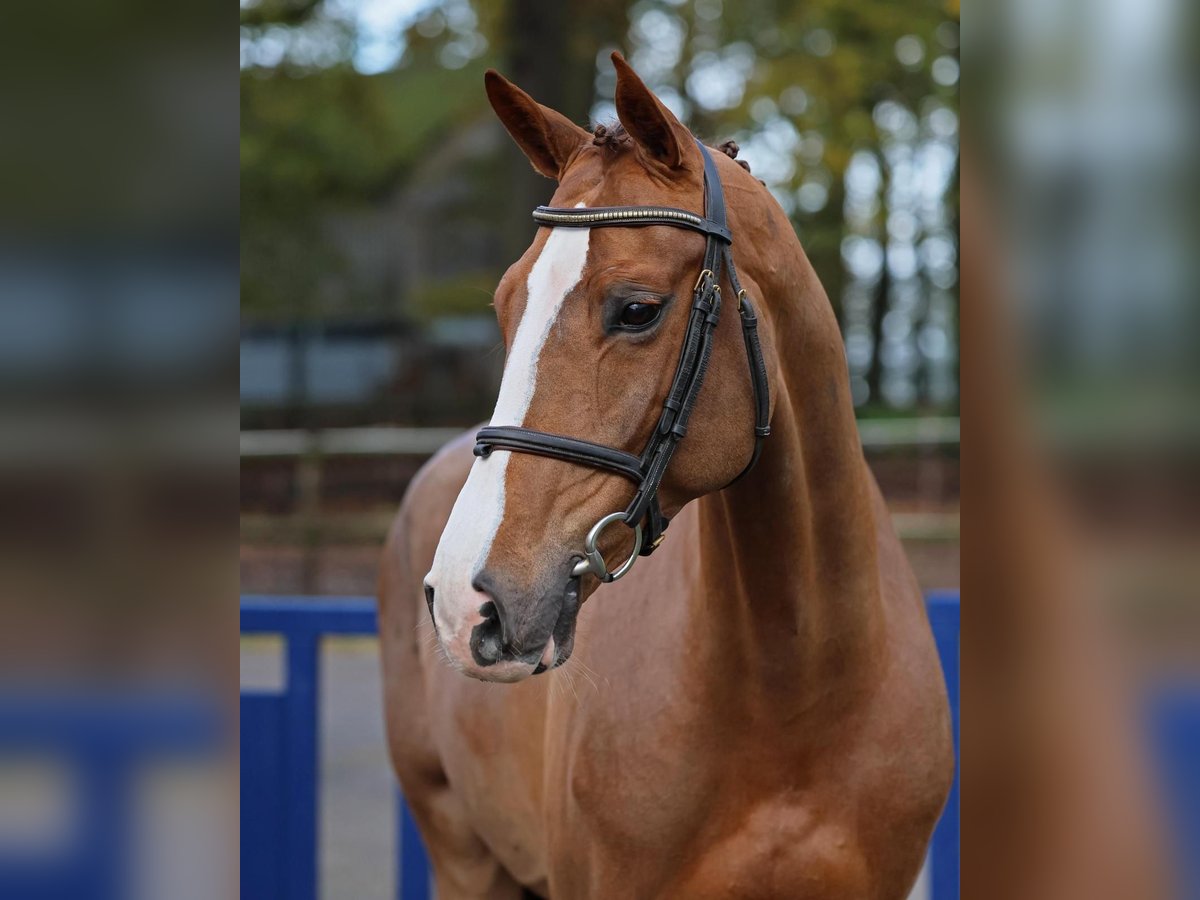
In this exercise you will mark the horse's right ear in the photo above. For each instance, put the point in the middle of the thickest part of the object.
(547, 137)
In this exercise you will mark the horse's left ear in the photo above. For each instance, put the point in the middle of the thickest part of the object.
(651, 124)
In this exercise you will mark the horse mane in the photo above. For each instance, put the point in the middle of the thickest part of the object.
(614, 136)
(611, 135)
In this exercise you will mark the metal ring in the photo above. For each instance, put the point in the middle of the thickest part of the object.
(594, 562)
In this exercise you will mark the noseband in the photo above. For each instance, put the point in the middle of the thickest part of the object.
(647, 470)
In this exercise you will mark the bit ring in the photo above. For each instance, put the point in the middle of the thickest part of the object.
(593, 561)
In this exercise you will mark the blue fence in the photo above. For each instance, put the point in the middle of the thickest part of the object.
(944, 850)
(280, 754)
(98, 742)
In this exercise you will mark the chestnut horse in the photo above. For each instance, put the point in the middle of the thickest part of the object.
(757, 710)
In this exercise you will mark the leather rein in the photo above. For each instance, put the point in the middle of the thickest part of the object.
(648, 469)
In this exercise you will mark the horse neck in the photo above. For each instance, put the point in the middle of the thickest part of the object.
(791, 549)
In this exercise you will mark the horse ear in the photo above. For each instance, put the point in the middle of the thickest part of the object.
(547, 137)
(651, 124)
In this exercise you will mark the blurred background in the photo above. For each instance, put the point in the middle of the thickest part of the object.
(382, 201)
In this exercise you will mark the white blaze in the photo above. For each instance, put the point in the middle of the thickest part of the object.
(479, 509)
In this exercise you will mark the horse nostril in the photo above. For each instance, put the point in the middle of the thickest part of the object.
(429, 598)
(486, 644)
(488, 638)
(489, 649)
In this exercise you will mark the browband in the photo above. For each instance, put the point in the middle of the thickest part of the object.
(628, 217)
(647, 470)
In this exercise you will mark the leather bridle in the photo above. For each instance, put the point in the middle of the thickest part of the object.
(647, 470)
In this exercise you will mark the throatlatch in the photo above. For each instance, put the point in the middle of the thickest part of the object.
(646, 471)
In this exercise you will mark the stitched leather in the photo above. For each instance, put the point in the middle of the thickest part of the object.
(648, 470)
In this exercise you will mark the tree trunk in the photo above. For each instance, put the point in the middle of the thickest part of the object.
(551, 54)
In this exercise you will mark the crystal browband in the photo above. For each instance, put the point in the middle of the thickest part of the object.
(626, 216)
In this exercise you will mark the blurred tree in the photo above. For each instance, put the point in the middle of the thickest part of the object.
(550, 51)
(806, 88)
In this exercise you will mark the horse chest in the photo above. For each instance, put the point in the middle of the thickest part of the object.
(636, 748)
(665, 812)
(640, 770)
(662, 791)
(646, 768)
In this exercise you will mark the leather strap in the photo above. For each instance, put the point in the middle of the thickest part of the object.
(758, 367)
(689, 371)
(527, 440)
(628, 217)
(648, 470)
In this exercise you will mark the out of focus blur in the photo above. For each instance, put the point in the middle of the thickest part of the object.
(118, 370)
(1081, 570)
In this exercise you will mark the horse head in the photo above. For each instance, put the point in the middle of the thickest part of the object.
(593, 320)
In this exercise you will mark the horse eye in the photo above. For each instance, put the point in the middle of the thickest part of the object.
(639, 315)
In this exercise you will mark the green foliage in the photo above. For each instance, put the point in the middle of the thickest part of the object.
(320, 141)
(334, 134)
(842, 56)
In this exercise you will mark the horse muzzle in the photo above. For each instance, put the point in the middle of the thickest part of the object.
(508, 636)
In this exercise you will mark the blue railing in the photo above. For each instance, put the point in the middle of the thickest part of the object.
(944, 850)
(280, 754)
(99, 742)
